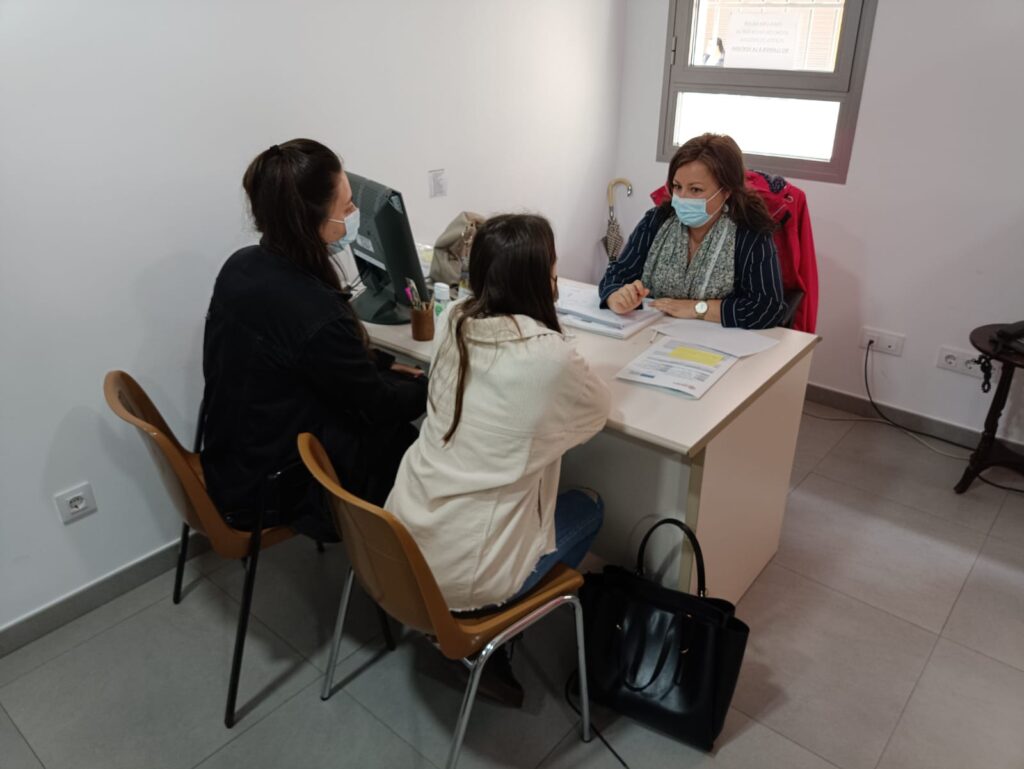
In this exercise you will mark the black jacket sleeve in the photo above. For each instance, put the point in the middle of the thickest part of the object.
(757, 300)
(338, 366)
(630, 264)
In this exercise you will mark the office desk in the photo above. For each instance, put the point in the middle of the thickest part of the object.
(721, 463)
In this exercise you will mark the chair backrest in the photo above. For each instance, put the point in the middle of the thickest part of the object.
(387, 561)
(129, 401)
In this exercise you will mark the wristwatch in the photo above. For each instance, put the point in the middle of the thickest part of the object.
(701, 309)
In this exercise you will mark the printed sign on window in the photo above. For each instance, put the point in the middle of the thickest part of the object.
(762, 41)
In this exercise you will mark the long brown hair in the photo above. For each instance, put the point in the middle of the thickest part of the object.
(510, 267)
(291, 187)
(724, 160)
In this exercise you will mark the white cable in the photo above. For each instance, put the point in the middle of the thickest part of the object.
(917, 438)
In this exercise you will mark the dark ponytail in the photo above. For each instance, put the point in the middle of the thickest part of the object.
(724, 160)
(291, 187)
(510, 267)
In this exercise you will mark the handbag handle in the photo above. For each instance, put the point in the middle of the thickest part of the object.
(666, 649)
(701, 582)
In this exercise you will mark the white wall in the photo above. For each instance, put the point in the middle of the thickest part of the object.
(924, 238)
(125, 130)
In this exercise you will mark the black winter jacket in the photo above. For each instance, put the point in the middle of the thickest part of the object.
(283, 353)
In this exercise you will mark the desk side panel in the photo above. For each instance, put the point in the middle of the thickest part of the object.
(744, 486)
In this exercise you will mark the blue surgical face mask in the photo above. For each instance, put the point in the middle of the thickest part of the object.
(693, 212)
(351, 223)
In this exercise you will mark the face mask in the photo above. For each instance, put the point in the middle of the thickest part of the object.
(693, 212)
(351, 223)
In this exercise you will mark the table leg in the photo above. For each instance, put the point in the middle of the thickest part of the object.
(979, 459)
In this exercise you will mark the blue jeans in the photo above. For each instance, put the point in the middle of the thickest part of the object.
(578, 518)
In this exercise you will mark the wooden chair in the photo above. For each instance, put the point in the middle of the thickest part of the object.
(129, 401)
(391, 568)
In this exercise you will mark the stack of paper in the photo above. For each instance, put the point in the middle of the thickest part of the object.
(580, 307)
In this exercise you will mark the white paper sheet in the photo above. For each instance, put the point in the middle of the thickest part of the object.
(674, 365)
(734, 341)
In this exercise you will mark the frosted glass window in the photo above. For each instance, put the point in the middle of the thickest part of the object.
(761, 125)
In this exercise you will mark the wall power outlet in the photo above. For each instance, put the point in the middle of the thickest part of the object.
(75, 503)
(888, 342)
(960, 361)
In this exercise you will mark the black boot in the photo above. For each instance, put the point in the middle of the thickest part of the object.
(498, 682)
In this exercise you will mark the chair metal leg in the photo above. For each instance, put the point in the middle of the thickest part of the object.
(182, 557)
(319, 546)
(476, 670)
(243, 626)
(339, 625)
(581, 655)
(385, 626)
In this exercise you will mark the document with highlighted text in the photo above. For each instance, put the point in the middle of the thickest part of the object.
(674, 365)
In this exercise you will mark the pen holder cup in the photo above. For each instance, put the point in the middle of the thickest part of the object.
(422, 324)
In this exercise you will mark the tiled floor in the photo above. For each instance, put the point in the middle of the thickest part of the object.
(888, 632)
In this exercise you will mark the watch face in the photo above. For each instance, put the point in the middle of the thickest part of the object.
(701, 308)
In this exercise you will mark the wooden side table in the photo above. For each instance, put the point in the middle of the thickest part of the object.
(992, 452)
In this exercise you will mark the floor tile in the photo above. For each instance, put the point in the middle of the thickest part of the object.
(417, 693)
(297, 594)
(989, 615)
(32, 655)
(893, 465)
(209, 562)
(1010, 523)
(825, 670)
(817, 436)
(743, 744)
(967, 711)
(150, 691)
(893, 557)
(803, 464)
(307, 733)
(821, 429)
(15, 753)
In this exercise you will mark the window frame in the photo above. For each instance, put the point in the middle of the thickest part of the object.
(844, 85)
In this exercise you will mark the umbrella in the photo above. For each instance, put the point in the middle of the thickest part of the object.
(612, 240)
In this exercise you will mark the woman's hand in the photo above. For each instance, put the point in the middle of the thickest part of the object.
(628, 298)
(677, 308)
(401, 368)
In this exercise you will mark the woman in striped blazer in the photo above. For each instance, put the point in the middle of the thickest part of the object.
(707, 253)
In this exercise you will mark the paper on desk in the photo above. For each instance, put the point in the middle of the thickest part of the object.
(597, 327)
(734, 341)
(581, 307)
(685, 368)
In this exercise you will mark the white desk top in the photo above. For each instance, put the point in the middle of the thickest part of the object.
(659, 417)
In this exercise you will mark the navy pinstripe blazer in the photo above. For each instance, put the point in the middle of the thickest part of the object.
(756, 300)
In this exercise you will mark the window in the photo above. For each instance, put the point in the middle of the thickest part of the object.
(782, 77)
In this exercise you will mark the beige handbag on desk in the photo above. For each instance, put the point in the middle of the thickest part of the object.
(451, 251)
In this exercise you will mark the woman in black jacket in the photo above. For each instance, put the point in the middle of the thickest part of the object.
(284, 353)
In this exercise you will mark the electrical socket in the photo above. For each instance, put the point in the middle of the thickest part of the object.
(75, 503)
(888, 342)
(960, 361)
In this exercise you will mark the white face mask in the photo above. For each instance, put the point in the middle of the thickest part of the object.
(351, 223)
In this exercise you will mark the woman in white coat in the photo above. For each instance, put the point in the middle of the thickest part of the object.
(509, 395)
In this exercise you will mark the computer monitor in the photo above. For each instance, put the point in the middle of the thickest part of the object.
(385, 253)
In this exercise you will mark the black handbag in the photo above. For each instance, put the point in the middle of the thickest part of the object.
(663, 657)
